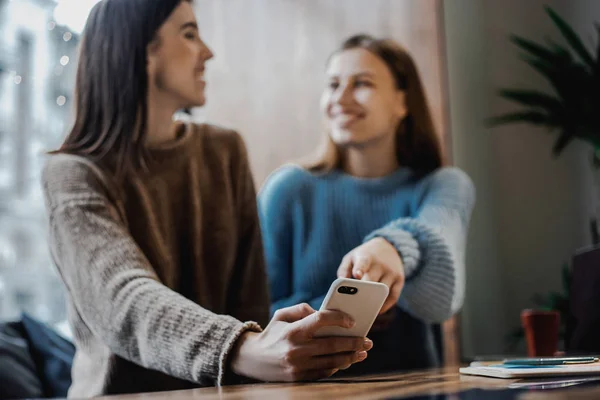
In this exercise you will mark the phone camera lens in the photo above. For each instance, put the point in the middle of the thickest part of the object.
(347, 290)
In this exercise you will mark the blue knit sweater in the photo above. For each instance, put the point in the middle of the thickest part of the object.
(309, 222)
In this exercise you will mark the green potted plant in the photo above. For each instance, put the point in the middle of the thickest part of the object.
(552, 301)
(572, 108)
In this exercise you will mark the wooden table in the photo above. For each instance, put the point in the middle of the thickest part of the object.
(430, 382)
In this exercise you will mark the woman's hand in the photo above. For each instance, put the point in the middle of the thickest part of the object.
(288, 351)
(376, 261)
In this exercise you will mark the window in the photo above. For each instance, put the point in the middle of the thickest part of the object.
(38, 57)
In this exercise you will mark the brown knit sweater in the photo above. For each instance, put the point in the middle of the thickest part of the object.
(159, 270)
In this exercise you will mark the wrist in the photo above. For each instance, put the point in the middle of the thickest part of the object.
(385, 242)
(241, 354)
(382, 241)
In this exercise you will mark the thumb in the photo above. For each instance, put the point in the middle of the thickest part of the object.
(294, 313)
(321, 319)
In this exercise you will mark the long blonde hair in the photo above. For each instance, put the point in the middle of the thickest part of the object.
(417, 144)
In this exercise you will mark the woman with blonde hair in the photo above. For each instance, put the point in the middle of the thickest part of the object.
(376, 204)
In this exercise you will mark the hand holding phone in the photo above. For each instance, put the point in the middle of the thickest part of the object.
(286, 350)
(376, 261)
(362, 300)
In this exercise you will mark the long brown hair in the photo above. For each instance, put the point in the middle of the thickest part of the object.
(417, 144)
(111, 88)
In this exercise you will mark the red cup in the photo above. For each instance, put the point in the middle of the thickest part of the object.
(541, 332)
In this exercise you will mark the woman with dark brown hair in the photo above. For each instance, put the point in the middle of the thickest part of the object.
(154, 228)
(376, 204)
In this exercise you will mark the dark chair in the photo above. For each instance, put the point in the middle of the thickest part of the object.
(35, 362)
(582, 335)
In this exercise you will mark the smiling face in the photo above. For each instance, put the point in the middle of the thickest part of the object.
(176, 60)
(361, 103)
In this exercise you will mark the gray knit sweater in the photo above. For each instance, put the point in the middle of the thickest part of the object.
(161, 269)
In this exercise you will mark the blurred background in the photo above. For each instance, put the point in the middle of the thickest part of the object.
(533, 209)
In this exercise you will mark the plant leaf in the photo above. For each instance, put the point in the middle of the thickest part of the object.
(534, 99)
(533, 117)
(561, 143)
(551, 72)
(534, 49)
(571, 37)
(569, 81)
(560, 51)
(572, 106)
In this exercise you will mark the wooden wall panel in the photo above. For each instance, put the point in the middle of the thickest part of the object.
(269, 66)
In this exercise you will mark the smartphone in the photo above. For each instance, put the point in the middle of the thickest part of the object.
(551, 361)
(360, 299)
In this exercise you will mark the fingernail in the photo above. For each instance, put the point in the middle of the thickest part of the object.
(362, 356)
(368, 344)
(350, 323)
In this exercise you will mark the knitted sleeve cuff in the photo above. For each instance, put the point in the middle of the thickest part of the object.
(226, 375)
(404, 242)
(430, 268)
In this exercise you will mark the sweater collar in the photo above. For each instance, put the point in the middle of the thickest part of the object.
(399, 176)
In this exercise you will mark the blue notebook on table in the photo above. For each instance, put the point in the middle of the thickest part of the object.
(507, 371)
